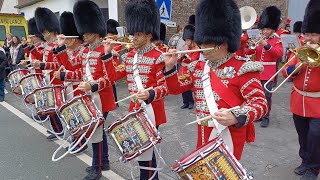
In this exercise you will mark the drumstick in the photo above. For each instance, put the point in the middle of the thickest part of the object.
(76, 89)
(53, 76)
(210, 117)
(188, 51)
(133, 95)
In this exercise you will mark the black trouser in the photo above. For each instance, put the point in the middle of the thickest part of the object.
(147, 174)
(268, 97)
(187, 97)
(308, 130)
(100, 155)
(115, 92)
(56, 123)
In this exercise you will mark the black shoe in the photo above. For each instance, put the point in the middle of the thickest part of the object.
(39, 118)
(105, 167)
(300, 170)
(258, 120)
(93, 175)
(77, 147)
(53, 137)
(309, 175)
(190, 106)
(184, 106)
(264, 123)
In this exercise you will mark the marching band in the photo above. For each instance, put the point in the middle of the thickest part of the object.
(225, 73)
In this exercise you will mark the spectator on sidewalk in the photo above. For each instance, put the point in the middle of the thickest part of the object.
(16, 53)
(3, 64)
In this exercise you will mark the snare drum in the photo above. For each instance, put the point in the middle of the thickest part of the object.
(210, 161)
(134, 134)
(81, 115)
(29, 83)
(14, 79)
(177, 42)
(48, 98)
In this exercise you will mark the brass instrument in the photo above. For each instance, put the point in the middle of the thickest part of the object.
(254, 42)
(307, 55)
(248, 17)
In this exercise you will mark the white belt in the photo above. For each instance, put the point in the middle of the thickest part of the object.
(269, 63)
(308, 94)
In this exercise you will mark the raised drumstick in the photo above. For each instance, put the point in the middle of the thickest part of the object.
(133, 95)
(58, 71)
(210, 117)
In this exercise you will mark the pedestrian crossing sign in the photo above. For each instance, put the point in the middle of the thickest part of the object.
(165, 9)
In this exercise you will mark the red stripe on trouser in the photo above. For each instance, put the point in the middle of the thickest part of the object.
(100, 155)
(150, 172)
(55, 123)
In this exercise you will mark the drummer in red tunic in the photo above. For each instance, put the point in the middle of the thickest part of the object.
(143, 68)
(230, 82)
(305, 97)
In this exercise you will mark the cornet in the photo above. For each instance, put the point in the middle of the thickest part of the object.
(254, 43)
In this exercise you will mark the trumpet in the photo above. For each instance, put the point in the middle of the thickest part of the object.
(307, 55)
(254, 42)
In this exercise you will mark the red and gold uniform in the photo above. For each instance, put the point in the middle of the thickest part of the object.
(150, 70)
(268, 56)
(39, 47)
(243, 45)
(282, 31)
(240, 77)
(186, 60)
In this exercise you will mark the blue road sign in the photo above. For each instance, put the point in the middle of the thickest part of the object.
(165, 9)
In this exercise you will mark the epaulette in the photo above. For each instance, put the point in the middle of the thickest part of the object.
(250, 66)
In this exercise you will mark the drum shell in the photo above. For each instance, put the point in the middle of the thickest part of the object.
(15, 81)
(37, 80)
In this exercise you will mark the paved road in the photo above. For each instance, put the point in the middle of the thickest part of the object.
(272, 156)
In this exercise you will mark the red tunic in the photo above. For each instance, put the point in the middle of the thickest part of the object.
(99, 74)
(243, 81)
(282, 31)
(268, 58)
(151, 63)
(39, 47)
(186, 60)
(48, 58)
(68, 59)
(307, 80)
(243, 45)
(163, 48)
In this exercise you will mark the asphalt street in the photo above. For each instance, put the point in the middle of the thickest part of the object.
(26, 154)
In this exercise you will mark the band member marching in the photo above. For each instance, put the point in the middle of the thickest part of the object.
(188, 37)
(297, 31)
(161, 42)
(235, 82)
(305, 96)
(143, 69)
(48, 25)
(268, 50)
(286, 27)
(91, 24)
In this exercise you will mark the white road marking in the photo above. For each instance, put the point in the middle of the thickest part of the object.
(83, 157)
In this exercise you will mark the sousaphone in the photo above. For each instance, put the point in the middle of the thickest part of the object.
(248, 17)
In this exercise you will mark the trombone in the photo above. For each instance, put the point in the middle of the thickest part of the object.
(307, 55)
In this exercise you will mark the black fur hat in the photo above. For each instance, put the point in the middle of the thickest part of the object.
(297, 27)
(311, 21)
(218, 21)
(112, 26)
(46, 20)
(192, 19)
(143, 16)
(32, 28)
(188, 32)
(89, 18)
(67, 25)
(163, 31)
(270, 18)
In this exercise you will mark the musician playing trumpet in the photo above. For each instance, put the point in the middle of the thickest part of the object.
(305, 95)
(268, 50)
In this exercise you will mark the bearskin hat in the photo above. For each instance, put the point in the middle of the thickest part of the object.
(311, 21)
(143, 16)
(32, 28)
(192, 19)
(46, 20)
(270, 18)
(163, 31)
(218, 21)
(188, 32)
(67, 25)
(89, 18)
(297, 27)
(112, 26)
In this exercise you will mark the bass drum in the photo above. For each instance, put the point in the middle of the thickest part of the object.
(177, 42)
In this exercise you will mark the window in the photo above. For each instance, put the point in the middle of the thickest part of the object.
(2, 33)
(18, 31)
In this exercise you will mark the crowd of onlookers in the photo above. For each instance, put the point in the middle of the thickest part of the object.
(10, 56)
